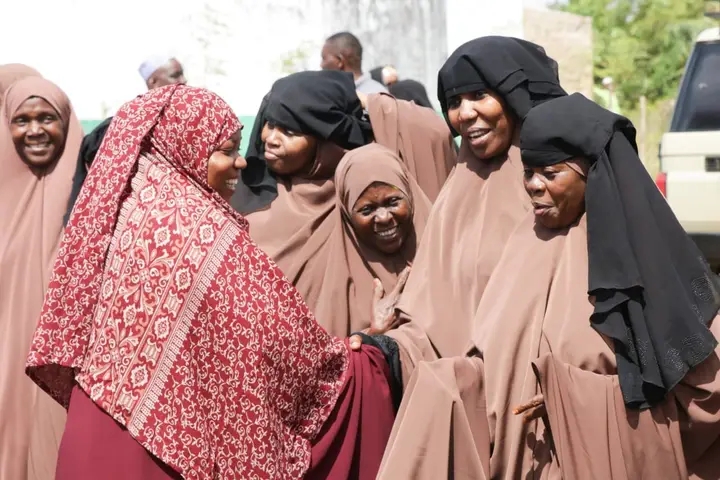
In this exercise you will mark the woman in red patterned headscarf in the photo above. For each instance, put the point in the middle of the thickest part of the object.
(180, 348)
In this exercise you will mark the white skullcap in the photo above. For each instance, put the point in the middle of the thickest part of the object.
(154, 62)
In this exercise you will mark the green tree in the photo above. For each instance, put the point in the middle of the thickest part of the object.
(642, 44)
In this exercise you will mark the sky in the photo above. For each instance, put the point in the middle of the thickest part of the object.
(92, 48)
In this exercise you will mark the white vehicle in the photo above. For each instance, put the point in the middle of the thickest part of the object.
(690, 151)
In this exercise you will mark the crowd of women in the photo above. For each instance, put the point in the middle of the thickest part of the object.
(355, 297)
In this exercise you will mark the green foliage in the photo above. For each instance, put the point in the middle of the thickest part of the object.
(642, 44)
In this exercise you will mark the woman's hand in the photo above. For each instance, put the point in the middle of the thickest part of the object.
(533, 409)
(384, 315)
(383, 308)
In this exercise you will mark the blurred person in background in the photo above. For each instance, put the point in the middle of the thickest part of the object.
(406, 89)
(157, 71)
(161, 70)
(387, 75)
(343, 51)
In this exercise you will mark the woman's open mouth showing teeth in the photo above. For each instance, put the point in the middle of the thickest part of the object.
(475, 134)
(386, 234)
(231, 184)
(38, 147)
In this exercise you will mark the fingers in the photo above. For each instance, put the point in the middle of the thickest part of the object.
(355, 343)
(378, 291)
(534, 402)
(401, 281)
(534, 413)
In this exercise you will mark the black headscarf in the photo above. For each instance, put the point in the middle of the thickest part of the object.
(412, 91)
(323, 104)
(655, 295)
(88, 149)
(376, 74)
(257, 188)
(518, 71)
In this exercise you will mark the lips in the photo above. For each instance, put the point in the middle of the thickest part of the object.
(270, 156)
(388, 234)
(541, 208)
(231, 184)
(477, 135)
(38, 148)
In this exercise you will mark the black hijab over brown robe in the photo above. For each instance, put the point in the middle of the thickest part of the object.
(322, 104)
(519, 71)
(654, 293)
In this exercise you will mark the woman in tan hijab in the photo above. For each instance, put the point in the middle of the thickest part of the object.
(378, 220)
(596, 341)
(310, 120)
(39, 142)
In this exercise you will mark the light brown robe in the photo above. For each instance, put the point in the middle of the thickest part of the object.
(31, 224)
(477, 210)
(418, 135)
(533, 335)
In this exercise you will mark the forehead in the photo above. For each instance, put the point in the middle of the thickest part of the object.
(380, 189)
(35, 104)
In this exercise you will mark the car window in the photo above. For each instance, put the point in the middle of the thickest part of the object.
(698, 102)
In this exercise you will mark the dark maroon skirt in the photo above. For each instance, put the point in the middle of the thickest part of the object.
(349, 447)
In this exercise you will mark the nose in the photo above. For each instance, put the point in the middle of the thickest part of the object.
(467, 112)
(240, 162)
(272, 138)
(35, 128)
(535, 186)
(383, 215)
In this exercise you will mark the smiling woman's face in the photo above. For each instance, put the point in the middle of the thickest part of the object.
(483, 122)
(224, 166)
(287, 152)
(557, 192)
(37, 132)
(382, 217)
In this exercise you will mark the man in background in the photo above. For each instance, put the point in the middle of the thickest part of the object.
(157, 71)
(161, 70)
(343, 51)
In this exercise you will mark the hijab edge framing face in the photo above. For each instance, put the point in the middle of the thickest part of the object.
(39, 130)
(383, 218)
(654, 293)
(494, 82)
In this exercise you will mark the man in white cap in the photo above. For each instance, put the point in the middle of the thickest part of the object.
(161, 70)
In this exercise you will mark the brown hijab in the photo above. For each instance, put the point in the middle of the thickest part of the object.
(418, 136)
(31, 214)
(307, 232)
(347, 281)
(11, 73)
(479, 206)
